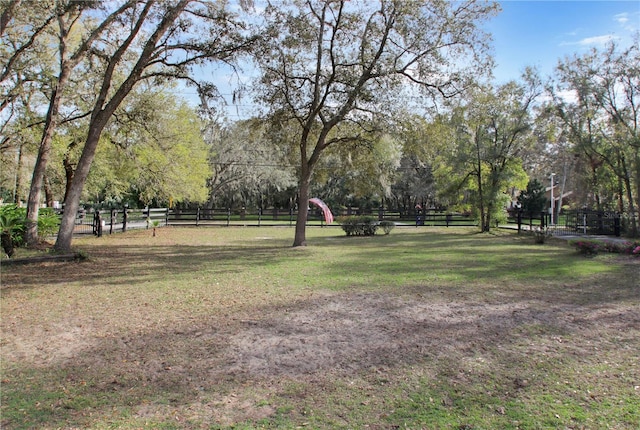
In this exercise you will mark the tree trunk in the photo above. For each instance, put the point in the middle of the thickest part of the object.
(7, 243)
(629, 187)
(303, 203)
(481, 206)
(48, 192)
(104, 109)
(35, 191)
(565, 174)
(636, 215)
(487, 220)
(620, 192)
(16, 191)
(68, 173)
(51, 122)
(72, 200)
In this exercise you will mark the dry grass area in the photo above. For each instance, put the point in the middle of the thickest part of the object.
(233, 328)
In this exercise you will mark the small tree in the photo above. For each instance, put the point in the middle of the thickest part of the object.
(533, 199)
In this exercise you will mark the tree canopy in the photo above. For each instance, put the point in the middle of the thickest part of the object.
(328, 64)
(361, 102)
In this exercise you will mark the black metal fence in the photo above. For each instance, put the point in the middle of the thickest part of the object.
(594, 222)
(578, 222)
(99, 222)
(111, 221)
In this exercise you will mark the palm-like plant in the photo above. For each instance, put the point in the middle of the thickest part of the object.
(10, 224)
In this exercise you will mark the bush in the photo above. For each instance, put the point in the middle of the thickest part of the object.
(48, 223)
(387, 226)
(594, 247)
(587, 247)
(540, 235)
(13, 223)
(11, 227)
(359, 225)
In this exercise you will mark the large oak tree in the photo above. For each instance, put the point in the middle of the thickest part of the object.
(327, 63)
(157, 41)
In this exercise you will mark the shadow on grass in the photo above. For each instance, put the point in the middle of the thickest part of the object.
(441, 305)
(130, 264)
(186, 373)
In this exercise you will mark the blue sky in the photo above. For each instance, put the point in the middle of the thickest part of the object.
(528, 33)
(539, 33)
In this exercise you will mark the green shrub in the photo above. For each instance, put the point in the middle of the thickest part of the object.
(11, 228)
(13, 223)
(360, 225)
(387, 226)
(48, 223)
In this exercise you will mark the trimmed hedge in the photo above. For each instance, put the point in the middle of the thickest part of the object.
(363, 225)
(359, 225)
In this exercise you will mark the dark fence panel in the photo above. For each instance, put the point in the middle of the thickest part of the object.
(99, 222)
(529, 220)
(587, 222)
(235, 217)
(579, 222)
(582, 222)
(276, 216)
(109, 221)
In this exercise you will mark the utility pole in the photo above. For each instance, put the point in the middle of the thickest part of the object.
(552, 215)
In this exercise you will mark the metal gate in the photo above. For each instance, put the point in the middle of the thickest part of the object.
(586, 221)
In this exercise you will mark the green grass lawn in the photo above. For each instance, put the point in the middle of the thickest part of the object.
(233, 328)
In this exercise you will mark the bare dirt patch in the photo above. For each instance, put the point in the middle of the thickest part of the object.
(324, 337)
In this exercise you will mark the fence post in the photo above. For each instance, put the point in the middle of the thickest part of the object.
(600, 223)
(519, 220)
(228, 216)
(114, 214)
(97, 224)
(259, 216)
(166, 217)
(290, 217)
(125, 215)
(198, 216)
